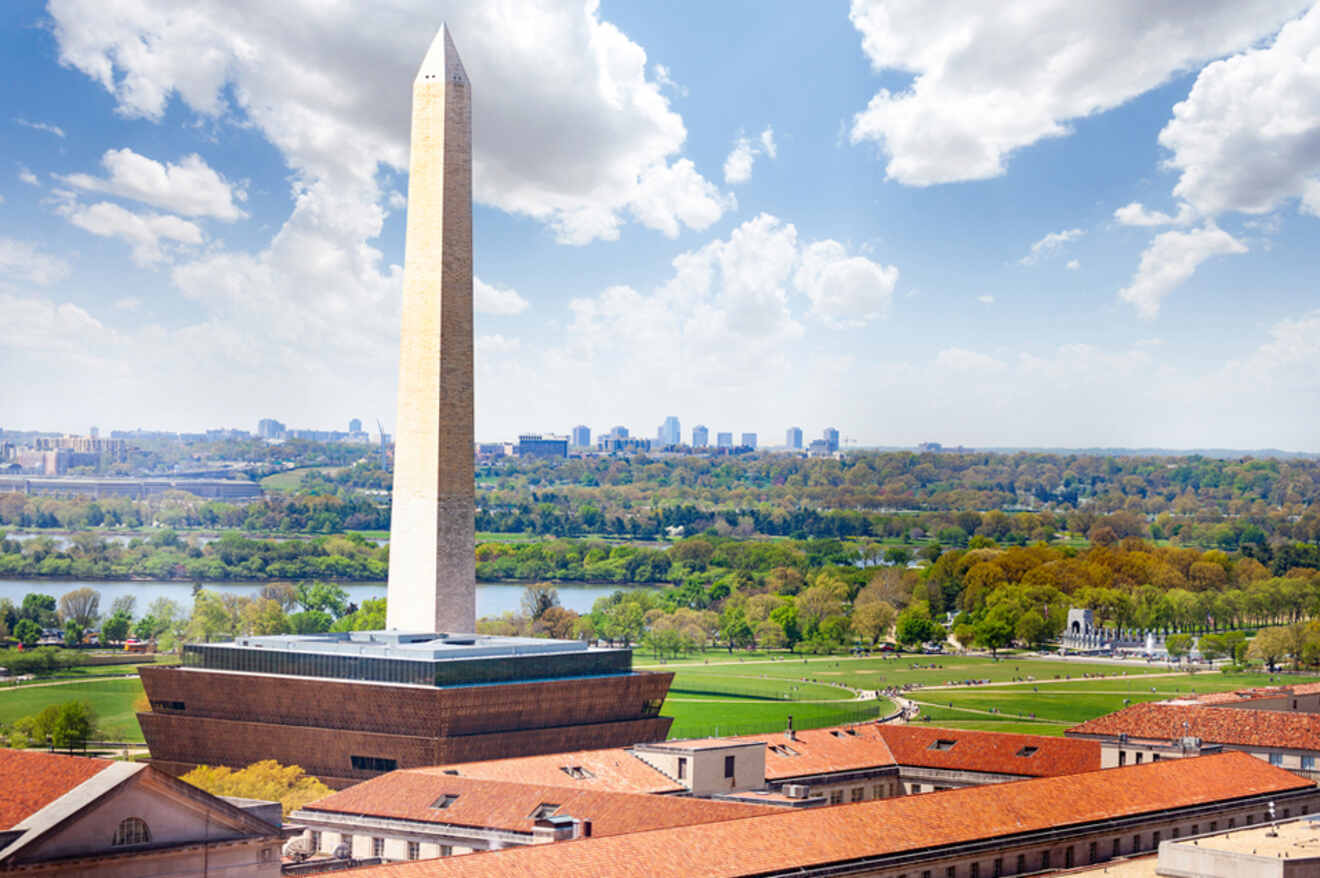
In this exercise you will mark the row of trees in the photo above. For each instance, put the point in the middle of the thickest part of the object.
(165, 555)
(1229, 504)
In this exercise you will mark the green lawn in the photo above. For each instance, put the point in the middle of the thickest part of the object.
(113, 701)
(290, 481)
(700, 719)
(1061, 705)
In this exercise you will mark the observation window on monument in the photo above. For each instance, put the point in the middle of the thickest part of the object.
(445, 801)
(131, 830)
(942, 744)
(1027, 751)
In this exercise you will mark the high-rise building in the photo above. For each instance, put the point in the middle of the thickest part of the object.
(793, 439)
(581, 436)
(349, 705)
(536, 445)
(269, 428)
(355, 425)
(700, 436)
(831, 437)
(669, 433)
(723, 440)
(749, 440)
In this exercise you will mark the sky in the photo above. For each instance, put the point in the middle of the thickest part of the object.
(1027, 223)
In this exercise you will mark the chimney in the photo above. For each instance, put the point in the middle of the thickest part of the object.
(789, 733)
(585, 828)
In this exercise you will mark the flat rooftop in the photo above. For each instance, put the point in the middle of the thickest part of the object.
(409, 645)
(1249, 850)
(410, 657)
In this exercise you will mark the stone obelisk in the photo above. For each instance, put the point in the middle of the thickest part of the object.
(432, 583)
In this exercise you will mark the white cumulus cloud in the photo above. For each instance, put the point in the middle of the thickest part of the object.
(567, 127)
(1169, 260)
(146, 233)
(738, 164)
(28, 177)
(991, 78)
(1049, 244)
(487, 299)
(23, 261)
(844, 290)
(191, 187)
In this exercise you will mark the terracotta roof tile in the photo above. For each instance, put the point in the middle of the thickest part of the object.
(613, 769)
(411, 794)
(31, 779)
(990, 752)
(817, 836)
(873, 745)
(1240, 728)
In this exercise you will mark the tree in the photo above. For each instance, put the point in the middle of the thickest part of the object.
(125, 603)
(73, 633)
(81, 606)
(287, 784)
(734, 628)
(1178, 645)
(324, 597)
(265, 616)
(40, 608)
(914, 625)
(1031, 629)
(537, 598)
(995, 629)
(785, 616)
(75, 723)
(27, 632)
(146, 628)
(555, 622)
(872, 621)
(310, 622)
(1269, 645)
(210, 618)
(115, 629)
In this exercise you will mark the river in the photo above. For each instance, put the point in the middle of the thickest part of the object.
(493, 598)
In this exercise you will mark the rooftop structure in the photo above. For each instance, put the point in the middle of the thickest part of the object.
(1277, 850)
(1012, 828)
(417, 659)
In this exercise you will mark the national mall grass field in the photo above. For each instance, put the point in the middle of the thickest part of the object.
(718, 693)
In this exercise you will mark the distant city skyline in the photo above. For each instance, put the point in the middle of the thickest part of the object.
(188, 240)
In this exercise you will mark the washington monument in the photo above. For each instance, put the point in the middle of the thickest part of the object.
(432, 583)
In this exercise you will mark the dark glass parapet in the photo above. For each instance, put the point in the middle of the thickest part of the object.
(422, 672)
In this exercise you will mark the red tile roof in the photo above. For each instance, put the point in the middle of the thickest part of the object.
(411, 794)
(990, 752)
(613, 769)
(1240, 728)
(818, 836)
(863, 746)
(31, 779)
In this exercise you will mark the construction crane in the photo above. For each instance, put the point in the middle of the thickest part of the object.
(381, 431)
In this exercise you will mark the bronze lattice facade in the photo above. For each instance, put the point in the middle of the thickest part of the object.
(347, 731)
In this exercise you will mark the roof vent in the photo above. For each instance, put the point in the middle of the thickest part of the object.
(941, 744)
(1027, 751)
(796, 790)
(577, 772)
(444, 801)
